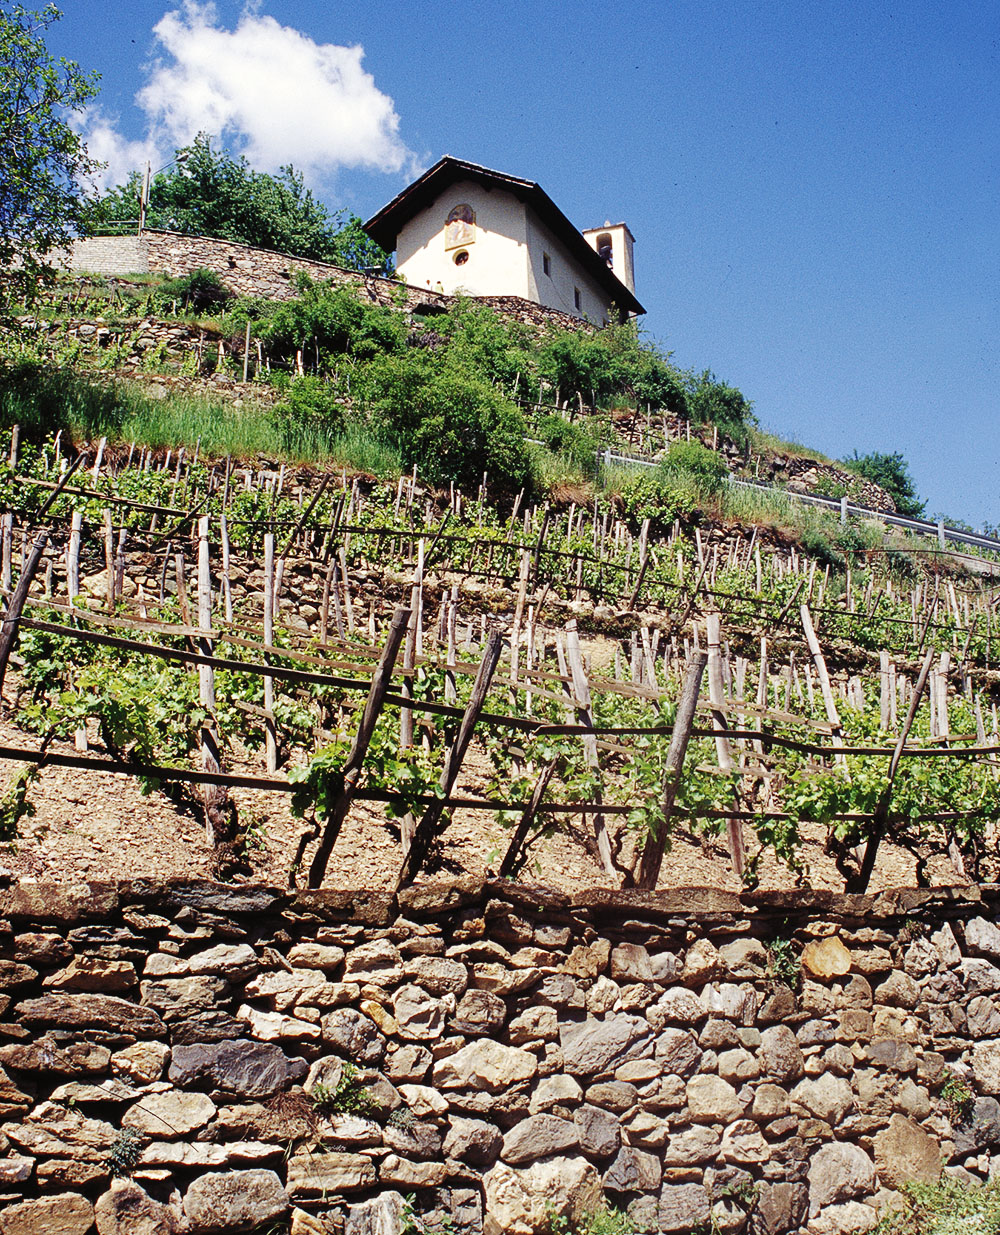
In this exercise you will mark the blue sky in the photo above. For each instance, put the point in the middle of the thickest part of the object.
(812, 184)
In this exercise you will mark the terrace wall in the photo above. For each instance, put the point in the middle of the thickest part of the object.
(519, 1049)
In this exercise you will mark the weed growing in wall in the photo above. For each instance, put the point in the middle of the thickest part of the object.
(952, 1207)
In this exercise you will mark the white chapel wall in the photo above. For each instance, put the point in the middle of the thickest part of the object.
(556, 288)
(497, 264)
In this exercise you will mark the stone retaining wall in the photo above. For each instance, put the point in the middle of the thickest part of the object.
(111, 255)
(243, 1057)
(249, 271)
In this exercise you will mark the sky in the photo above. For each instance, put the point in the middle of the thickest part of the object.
(812, 184)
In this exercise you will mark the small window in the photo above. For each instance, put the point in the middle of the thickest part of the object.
(462, 257)
(576, 298)
(546, 264)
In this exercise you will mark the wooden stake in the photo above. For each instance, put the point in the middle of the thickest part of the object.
(880, 821)
(6, 551)
(508, 866)
(425, 830)
(723, 752)
(270, 730)
(581, 692)
(832, 715)
(884, 708)
(12, 616)
(515, 634)
(109, 559)
(227, 586)
(653, 850)
(352, 769)
(210, 757)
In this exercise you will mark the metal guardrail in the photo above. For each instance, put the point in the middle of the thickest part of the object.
(925, 527)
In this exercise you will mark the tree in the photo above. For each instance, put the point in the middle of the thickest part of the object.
(207, 192)
(43, 162)
(892, 473)
(715, 402)
(355, 249)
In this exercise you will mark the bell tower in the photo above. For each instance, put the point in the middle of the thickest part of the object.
(614, 243)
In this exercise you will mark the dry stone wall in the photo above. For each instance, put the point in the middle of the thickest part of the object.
(249, 271)
(193, 1057)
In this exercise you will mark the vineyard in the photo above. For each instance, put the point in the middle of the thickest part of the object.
(588, 688)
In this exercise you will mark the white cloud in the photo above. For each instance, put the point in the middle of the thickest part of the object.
(281, 97)
(119, 155)
(268, 91)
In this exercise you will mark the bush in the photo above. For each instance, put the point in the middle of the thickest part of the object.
(574, 443)
(311, 405)
(580, 366)
(197, 292)
(893, 475)
(661, 497)
(43, 399)
(482, 343)
(451, 424)
(330, 320)
(713, 402)
(705, 467)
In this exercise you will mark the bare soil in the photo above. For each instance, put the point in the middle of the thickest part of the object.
(98, 826)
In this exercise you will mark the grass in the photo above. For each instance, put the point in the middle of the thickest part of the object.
(42, 399)
(762, 443)
(951, 1207)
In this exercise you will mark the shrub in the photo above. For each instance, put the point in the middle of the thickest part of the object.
(330, 320)
(311, 405)
(705, 467)
(893, 475)
(43, 399)
(581, 366)
(714, 402)
(484, 344)
(451, 424)
(659, 496)
(197, 292)
(575, 443)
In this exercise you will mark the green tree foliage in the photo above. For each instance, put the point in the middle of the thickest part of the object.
(351, 246)
(482, 342)
(893, 474)
(611, 367)
(714, 402)
(208, 192)
(328, 319)
(42, 160)
(453, 425)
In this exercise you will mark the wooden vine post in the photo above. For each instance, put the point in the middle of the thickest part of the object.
(424, 832)
(351, 772)
(581, 693)
(519, 838)
(652, 854)
(270, 731)
(216, 796)
(12, 616)
(723, 751)
(816, 652)
(880, 820)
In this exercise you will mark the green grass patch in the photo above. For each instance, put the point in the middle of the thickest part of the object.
(952, 1207)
